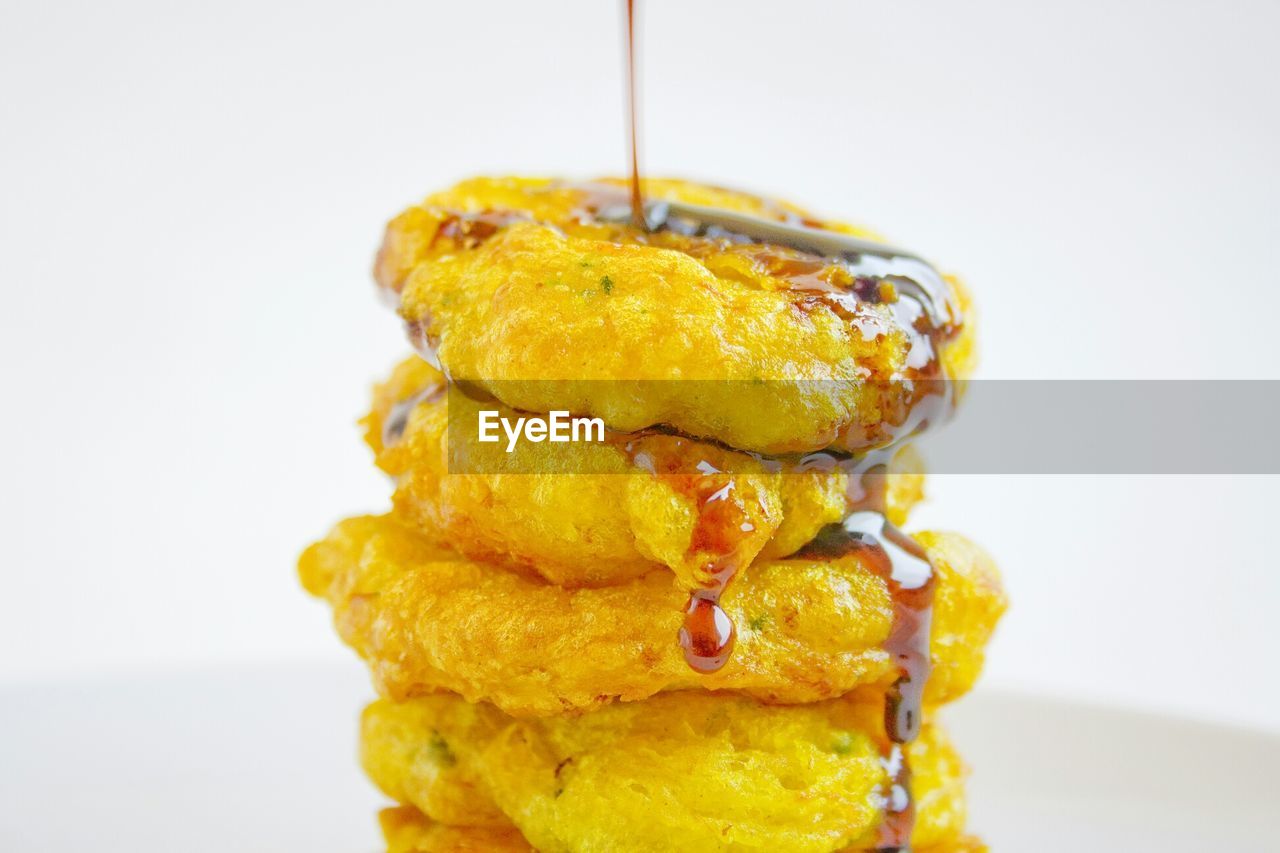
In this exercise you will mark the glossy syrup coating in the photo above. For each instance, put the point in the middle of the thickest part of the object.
(808, 630)
(600, 528)
(506, 280)
(683, 771)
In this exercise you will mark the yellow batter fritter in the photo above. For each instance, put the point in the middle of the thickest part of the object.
(808, 630)
(586, 529)
(407, 830)
(511, 282)
(682, 771)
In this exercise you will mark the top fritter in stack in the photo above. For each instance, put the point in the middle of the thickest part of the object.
(704, 631)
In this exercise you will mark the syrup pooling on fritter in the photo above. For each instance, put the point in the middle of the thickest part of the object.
(532, 289)
(837, 271)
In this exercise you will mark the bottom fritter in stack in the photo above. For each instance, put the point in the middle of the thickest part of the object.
(700, 632)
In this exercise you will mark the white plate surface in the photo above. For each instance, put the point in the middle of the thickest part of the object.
(263, 760)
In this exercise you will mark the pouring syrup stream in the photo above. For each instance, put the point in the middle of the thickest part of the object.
(637, 200)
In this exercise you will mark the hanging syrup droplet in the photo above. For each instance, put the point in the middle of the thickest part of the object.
(726, 521)
(708, 635)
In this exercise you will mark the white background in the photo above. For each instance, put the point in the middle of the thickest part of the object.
(191, 194)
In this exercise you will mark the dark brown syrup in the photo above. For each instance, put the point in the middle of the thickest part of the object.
(721, 530)
(899, 806)
(867, 535)
(469, 230)
(397, 419)
(633, 133)
(425, 343)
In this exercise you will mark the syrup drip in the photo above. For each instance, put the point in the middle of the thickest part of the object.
(843, 274)
(722, 528)
(720, 533)
(892, 555)
(899, 807)
(424, 343)
(466, 231)
(469, 230)
(397, 419)
(708, 634)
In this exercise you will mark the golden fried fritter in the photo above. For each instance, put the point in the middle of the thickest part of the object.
(414, 762)
(807, 629)
(407, 830)
(683, 771)
(586, 529)
(512, 282)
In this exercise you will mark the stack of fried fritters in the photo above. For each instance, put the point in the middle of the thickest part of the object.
(634, 644)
